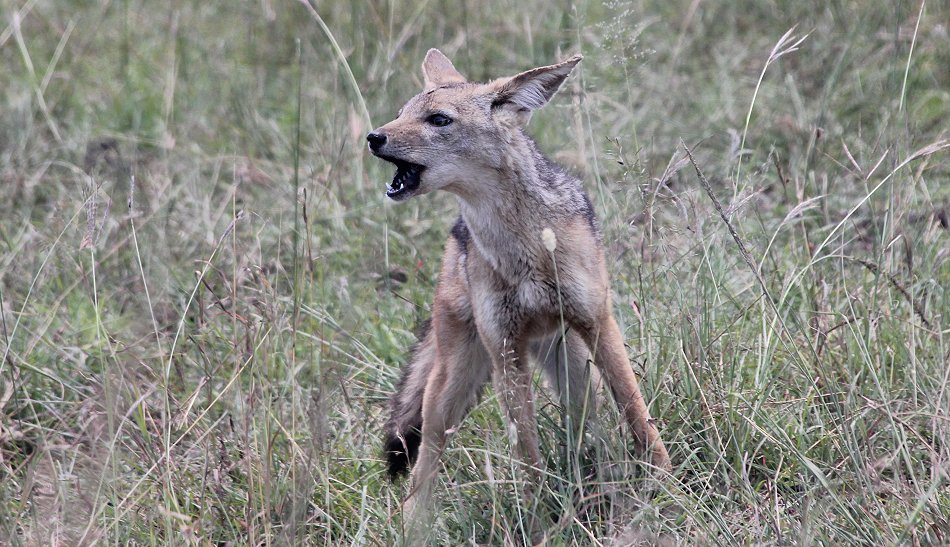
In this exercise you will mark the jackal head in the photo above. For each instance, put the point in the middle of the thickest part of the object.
(457, 133)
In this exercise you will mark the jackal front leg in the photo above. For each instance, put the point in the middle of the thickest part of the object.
(606, 343)
(511, 376)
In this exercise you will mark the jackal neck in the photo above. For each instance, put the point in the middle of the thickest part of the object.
(507, 212)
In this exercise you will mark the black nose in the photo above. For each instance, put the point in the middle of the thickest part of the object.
(376, 140)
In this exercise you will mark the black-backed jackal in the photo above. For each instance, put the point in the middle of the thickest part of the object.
(525, 254)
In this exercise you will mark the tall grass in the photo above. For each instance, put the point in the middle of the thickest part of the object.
(205, 296)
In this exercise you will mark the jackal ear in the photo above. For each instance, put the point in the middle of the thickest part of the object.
(438, 70)
(531, 90)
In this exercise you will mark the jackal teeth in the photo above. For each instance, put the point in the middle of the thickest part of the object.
(405, 179)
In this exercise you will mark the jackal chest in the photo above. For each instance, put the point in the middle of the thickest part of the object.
(540, 295)
(536, 301)
(515, 280)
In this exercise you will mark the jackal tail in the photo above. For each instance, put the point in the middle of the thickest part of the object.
(403, 433)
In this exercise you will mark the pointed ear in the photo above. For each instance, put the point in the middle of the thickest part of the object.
(438, 70)
(531, 90)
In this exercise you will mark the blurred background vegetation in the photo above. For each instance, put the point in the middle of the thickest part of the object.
(206, 296)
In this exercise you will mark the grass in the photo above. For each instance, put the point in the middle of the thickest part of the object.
(203, 353)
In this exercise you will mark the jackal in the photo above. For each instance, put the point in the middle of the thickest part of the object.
(523, 274)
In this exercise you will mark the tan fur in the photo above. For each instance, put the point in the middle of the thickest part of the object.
(502, 293)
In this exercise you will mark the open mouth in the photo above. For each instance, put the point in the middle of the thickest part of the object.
(406, 179)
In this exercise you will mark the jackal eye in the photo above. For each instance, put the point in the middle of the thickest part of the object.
(439, 120)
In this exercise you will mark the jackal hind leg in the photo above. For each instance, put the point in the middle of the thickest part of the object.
(460, 372)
